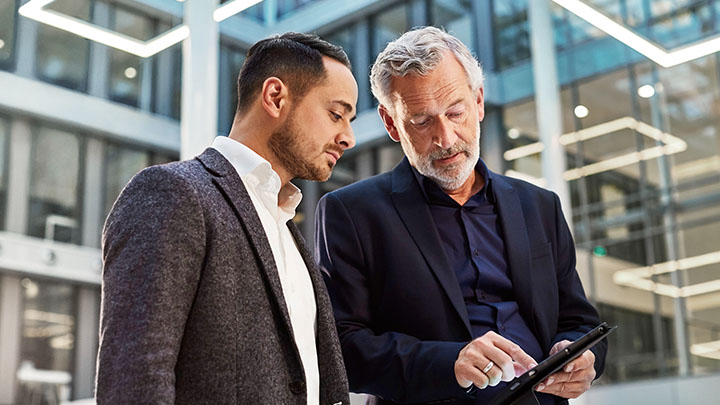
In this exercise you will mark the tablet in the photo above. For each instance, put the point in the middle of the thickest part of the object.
(519, 391)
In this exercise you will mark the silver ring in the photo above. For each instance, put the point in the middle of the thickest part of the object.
(488, 367)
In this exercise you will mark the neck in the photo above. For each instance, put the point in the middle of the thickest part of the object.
(247, 133)
(472, 185)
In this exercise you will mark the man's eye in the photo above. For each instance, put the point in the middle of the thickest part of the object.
(422, 123)
(335, 116)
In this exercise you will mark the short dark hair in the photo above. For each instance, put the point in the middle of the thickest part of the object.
(294, 58)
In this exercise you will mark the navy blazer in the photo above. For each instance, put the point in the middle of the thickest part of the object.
(399, 310)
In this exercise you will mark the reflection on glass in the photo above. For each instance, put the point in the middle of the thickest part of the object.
(48, 341)
(512, 38)
(55, 186)
(7, 31)
(126, 70)
(62, 57)
(388, 26)
(121, 164)
(455, 17)
(228, 84)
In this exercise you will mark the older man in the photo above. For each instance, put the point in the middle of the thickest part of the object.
(209, 294)
(448, 279)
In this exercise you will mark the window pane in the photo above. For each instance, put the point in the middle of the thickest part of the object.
(228, 86)
(54, 186)
(512, 38)
(121, 164)
(126, 70)
(389, 25)
(7, 32)
(48, 341)
(62, 57)
(455, 17)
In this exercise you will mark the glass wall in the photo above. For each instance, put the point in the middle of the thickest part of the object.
(7, 32)
(121, 164)
(644, 176)
(48, 342)
(62, 57)
(231, 60)
(127, 71)
(456, 17)
(55, 185)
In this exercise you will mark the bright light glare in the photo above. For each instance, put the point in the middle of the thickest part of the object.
(228, 10)
(646, 91)
(2, 44)
(513, 133)
(130, 73)
(581, 111)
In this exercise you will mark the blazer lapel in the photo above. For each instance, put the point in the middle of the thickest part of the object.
(232, 187)
(415, 214)
(517, 244)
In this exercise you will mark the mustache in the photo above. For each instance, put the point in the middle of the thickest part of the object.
(443, 153)
(336, 149)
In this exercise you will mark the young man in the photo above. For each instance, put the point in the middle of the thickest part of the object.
(446, 278)
(209, 293)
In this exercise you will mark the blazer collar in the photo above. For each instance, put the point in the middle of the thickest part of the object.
(415, 214)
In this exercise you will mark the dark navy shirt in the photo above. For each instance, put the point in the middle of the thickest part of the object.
(472, 237)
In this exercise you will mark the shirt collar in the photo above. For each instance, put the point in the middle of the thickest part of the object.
(432, 191)
(253, 168)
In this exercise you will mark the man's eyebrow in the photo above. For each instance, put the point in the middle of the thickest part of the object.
(347, 106)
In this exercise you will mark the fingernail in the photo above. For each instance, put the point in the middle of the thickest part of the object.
(569, 368)
(541, 387)
(550, 380)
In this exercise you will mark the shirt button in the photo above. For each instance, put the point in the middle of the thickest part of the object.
(482, 295)
(476, 252)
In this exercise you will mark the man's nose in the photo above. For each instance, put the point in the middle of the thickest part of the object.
(445, 135)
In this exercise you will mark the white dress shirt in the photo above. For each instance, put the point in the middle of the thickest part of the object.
(275, 206)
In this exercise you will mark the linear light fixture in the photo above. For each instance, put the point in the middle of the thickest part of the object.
(649, 49)
(671, 145)
(710, 350)
(229, 9)
(36, 10)
(639, 278)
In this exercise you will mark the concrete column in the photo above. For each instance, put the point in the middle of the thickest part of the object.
(660, 120)
(548, 105)
(482, 17)
(93, 193)
(164, 78)
(198, 123)
(18, 176)
(361, 64)
(10, 310)
(86, 342)
(26, 31)
(270, 12)
(99, 55)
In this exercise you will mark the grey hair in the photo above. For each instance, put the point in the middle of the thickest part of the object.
(419, 51)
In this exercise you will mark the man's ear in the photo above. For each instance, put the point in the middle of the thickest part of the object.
(480, 102)
(389, 123)
(274, 96)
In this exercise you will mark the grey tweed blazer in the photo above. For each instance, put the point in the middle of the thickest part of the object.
(192, 307)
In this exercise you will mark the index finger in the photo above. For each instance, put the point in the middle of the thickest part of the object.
(515, 352)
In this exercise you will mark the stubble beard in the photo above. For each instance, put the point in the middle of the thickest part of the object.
(295, 155)
(450, 177)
